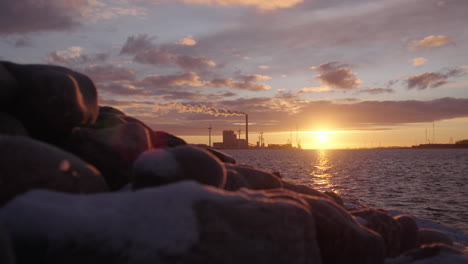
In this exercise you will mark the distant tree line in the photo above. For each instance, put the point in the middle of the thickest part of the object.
(462, 142)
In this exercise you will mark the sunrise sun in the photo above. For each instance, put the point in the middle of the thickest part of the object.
(322, 136)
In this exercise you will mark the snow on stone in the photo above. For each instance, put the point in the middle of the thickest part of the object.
(158, 161)
(152, 220)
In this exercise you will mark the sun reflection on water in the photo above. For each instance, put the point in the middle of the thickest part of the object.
(321, 173)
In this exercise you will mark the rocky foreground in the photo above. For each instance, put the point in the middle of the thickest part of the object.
(82, 183)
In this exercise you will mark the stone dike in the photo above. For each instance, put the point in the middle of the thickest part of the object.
(83, 183)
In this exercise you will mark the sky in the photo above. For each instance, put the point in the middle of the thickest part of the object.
(322, 73)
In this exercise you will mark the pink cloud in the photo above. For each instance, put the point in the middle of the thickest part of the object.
(186, 79)
(432, 41)
(433, 79)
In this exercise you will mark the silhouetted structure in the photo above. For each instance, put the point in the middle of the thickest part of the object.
(230, 141)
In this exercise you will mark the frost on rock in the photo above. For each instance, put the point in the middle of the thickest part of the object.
(137, 225)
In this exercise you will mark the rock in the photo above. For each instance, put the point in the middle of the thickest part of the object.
(235, 181)
(341, 239)
(226, 158)
(303, 189)
(163, 166)
(110, 110)
(386, 226)
(11, 126)
(335, 198)
(162, 139)
(431, 236)
(51, 100)
(409, 233)
(112, 150)
(184, 222)
(8, 87)
(431, 254)
(27, 164)
(256, 179)
(7, 256)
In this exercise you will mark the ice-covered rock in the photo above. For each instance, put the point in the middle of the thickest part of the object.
(112, 150)
(27, 164)
(432, 236)
(224, 157)
(51, 100)
(162, 166)
(161, 139)
(385, 225)
(431, 254)
(184, 222)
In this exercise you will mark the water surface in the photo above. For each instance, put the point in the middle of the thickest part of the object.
(429, 183)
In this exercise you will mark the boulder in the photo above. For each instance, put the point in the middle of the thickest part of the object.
(27, 164)
(256, 179)
(184, 222)
(226, 158)
(303, 189)
(112, 150)
(235, 181)
(9, 125)
(162, 139)
(7, 255)
(431, 236)
(163, 166)
(51, 100)
(335, 197)
(385, 225)
(409, 233)
(8, 87)
(341, 239)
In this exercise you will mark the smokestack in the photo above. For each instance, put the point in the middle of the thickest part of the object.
(247, 129)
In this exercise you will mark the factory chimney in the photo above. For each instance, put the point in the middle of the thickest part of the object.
(247, 129)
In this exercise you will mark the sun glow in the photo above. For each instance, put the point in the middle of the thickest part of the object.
(322, 136)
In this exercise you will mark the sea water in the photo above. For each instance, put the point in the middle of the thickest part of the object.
(428, 183)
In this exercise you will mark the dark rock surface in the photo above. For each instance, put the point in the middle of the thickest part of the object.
(409, 233)
(385, 225)
(7, 255)
(341, 239)
(256, 179)
(112, 150)
(27, 164)
(9, 125)
(163, 166)
(431, 236)
(51, 100)
(224, 157)
(431, 254)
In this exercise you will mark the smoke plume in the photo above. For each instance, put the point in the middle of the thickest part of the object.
(196, 108)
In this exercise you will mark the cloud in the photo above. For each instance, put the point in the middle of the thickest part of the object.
(138, 43)
(419, 61)
(259, 4)
(145, 51)
(99, 73)
(263, 67)
(374, 113)
(73, 56)
(187, 41)
(25, 16)
(119, 88)
(187, 79)
(323, 88)
(337, 75)
(242, 82)
(431, 42)
(433, 79)
(377, 90)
